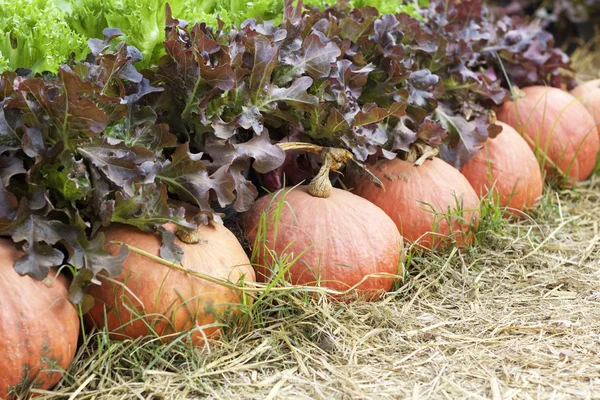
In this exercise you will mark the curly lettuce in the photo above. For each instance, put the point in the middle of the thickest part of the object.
(35, 35)
(410, 7)
(143, 21)
(41, 34)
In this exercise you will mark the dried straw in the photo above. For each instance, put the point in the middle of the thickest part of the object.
(518, 317)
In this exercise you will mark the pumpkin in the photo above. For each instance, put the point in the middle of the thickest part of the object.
(340, 241)
(430, 203)
(508, 165)
(559, 129)
(150, 297)
(39, 328)
(589, 94)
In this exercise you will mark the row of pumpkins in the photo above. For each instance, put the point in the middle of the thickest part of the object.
(341, 239)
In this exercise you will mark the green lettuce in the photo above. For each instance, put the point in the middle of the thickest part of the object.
(35, 35)
(143, 21)
(410, 7)
(87, 17)
(41, 34)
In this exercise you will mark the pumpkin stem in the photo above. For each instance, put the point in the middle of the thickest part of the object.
(321, 186)
(419, 152)
(311, 148)
(188, 237)
(333, 159)
(492, 117)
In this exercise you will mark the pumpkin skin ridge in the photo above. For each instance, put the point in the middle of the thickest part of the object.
(177, 311)
(26, 348)
(422, 175)
(442, 226)
(329, 215)
(508, 155)
(552, 115)
(497, 182)
(513, 189)
(421, 230)
(366, 230)
(271, 242)
(332, 251)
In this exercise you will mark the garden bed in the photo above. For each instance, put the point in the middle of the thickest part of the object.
(146, 221)
(516, 318)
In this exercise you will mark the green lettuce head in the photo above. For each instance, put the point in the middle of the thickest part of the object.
(34, 34)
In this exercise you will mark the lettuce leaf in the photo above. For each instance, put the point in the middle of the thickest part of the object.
(142, 21)
(35, 35)
(410, 7)
(86, 17)
(79, 150)
(41, 34)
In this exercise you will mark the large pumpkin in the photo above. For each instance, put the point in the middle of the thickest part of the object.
(589, 94)
(325, 236)
(508, 165)
(429, 203)
(558, 128)
(149, 297)
(339, 241)
(39, 328)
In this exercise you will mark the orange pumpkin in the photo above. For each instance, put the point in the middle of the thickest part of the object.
(589, 94)
(340, 241)
(151, 297)
(424, 201)
(39, 328)
(559, 129)
(508, 165)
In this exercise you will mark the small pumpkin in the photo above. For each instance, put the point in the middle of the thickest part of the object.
(508, 165)
(558, 128)
(430, 203)
(341, 241)
(150, 297)
(589, 94)
(39, 328)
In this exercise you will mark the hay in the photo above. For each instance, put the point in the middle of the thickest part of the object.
(516, 318)
(586, 59)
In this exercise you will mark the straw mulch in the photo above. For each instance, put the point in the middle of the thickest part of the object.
(517, 317)
(586, 59)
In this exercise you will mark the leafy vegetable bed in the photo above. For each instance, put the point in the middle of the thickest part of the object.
(119, 169)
